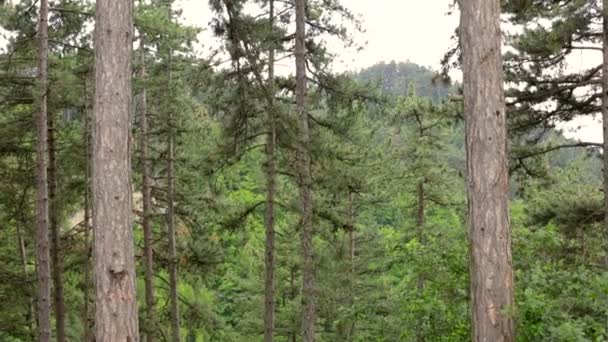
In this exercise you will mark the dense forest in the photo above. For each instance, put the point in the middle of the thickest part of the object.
(150, 193)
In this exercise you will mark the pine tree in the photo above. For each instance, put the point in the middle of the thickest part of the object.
(146, 199)
(488, 177)
(42, 216)
(269, 218)
(116, 306)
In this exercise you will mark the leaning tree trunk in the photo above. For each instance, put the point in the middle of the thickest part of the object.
(57, 264)
(174, 309)
(304, 179)
(42, 196)
(488, 178)
(116, 302)
(270, 196)
(147, 204)
(605, 129)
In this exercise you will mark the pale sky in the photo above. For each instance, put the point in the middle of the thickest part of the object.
(401, 30)
(398, 30)
(395, 30)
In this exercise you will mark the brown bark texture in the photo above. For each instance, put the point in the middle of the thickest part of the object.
(304, 179)
(485, 120)
(116, 316)
(43, 262)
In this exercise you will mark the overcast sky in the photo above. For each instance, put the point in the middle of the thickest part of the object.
(398, 30)
(395, 30)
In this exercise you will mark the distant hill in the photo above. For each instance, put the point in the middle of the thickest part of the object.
(395, 78)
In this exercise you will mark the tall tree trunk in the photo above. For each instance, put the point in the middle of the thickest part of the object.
(147, 205)
(57, 264)
(116, 303)
(605, 129)
(351, 250)
(270, 195)
(42, 196)
(488, 178)
(303, 166)
(88, 334)
(420, 222)
(174, 310)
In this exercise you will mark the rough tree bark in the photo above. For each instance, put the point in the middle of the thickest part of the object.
(304, 179)
(57, 263)
(486, 140)
(115, 305)
(174, 309)
(270, 195)
(42, 196)
(147, 203)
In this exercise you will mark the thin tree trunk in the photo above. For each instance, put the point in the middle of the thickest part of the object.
(42, 197)
(22, 224)
(22, 256)
(270, 195)
(303, 165)
(57, 264)
(88, 334)
(488, 178)
(174, 310)
(294, 293)
(147, 205)
(420, 222)
(605, 130)
(116, 302)
(353, 275)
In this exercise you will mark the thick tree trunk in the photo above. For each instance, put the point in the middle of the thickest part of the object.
(88, 334)
(270, 195)
(42, 197)
(304, 178)
(485, 116)
(147, 205)
(116, 303)
(57, 263)
(174, 310)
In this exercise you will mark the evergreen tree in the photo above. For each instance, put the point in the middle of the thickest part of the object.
(488, 177)
(116, 316)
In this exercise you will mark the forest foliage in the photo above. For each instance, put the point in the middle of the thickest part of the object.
(388, 176)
